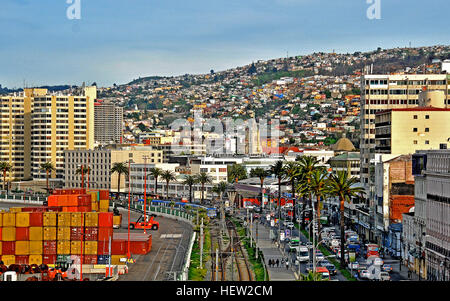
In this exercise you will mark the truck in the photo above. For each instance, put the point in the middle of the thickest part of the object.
(142, 224)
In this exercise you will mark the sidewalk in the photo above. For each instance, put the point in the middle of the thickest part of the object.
(270, 251)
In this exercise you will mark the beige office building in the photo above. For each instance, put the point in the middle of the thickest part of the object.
(100, 162)
(36, 127)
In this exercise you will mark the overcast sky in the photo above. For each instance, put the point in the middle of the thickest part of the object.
(116, 41)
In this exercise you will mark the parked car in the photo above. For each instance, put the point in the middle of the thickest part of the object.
(364, 274)
(289, 224)
(387, 268)
(384, 276)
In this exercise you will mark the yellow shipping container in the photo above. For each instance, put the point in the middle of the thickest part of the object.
(50, 219)
(76, 219)
(35, 259)
(104, 204)
(115, 259)
(22, 247)
(90, 247)
(63, 247)
(49, 233)
(93, 196)
(36, 247)
(8, 259)
(22, 219)
(36, 233)
(1, 248)
(15, 209)
(1, 219)
(9, 219)
(94, 206)
(8, 233)
(117, 220)
(64, 219)
(63, 233)
(91, 219)
(75, 247)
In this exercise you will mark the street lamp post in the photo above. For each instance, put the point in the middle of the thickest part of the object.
(145, 192)
(129, 206)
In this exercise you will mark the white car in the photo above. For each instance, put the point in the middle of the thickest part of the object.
(289, 224)
(319, 256)
(384, 276)
(364, 274)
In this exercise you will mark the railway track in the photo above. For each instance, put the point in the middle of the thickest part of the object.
(218, 272)
(243, 266)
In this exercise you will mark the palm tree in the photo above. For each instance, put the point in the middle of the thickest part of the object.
(156, 172)
(5, 167)
(236, 172)
(292, 172)
(220, 189)
(342, 186)
(308, 164)
(203, 178)
(190, 181)
(82, 170)
(119, 168)
(260, 173)
(319, 187)
(168, 176)
(48, 168)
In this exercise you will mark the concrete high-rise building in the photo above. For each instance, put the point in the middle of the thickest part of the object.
(108, 123)
(36, 127)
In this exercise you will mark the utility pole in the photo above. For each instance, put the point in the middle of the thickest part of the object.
(251, 230)
(232, 253)
(201, 244)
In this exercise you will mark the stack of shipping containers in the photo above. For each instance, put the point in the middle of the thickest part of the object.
(74, 219)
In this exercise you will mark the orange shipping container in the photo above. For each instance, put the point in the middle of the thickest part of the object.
(36, 233)
(62, 200)
(22, 248)
(72, 200)
(36, 219)
(1, 219)
(52, 201)
(50, 219)
(36, 247)
(94, 206)
(49, 233)
(104, 204)
(9, 234)
(9, 219)
(64, 247)
(1, 248)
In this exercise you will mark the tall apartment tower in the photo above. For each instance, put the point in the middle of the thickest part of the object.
(37, 127)
(108, 120)
(383, 92)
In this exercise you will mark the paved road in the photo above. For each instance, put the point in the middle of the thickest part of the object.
(168, 251)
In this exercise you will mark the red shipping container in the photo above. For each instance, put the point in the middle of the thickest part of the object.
(104, 233)
(89, 259)
(84, 199)
(105, 219)
(104, 194)
(8, 247)
(140, 247)
(119, 247)
(67, 191)
(57, 191)
(103, 247)
(91, 234)
(22, 233)
(76, 233)
(22, 259)
(50, 247)
(1, 233)
(49, 258)
(84, 209)
(36, 219)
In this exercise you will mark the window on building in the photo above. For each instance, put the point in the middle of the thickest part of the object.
(427, 116)
(415, 141)
(414, 129)
(427, 142)
(427, 130)
(415, 116)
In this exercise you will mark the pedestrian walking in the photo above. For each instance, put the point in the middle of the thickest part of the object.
(287, 264)
(278, 263)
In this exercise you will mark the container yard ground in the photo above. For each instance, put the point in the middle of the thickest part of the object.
(168, 251)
